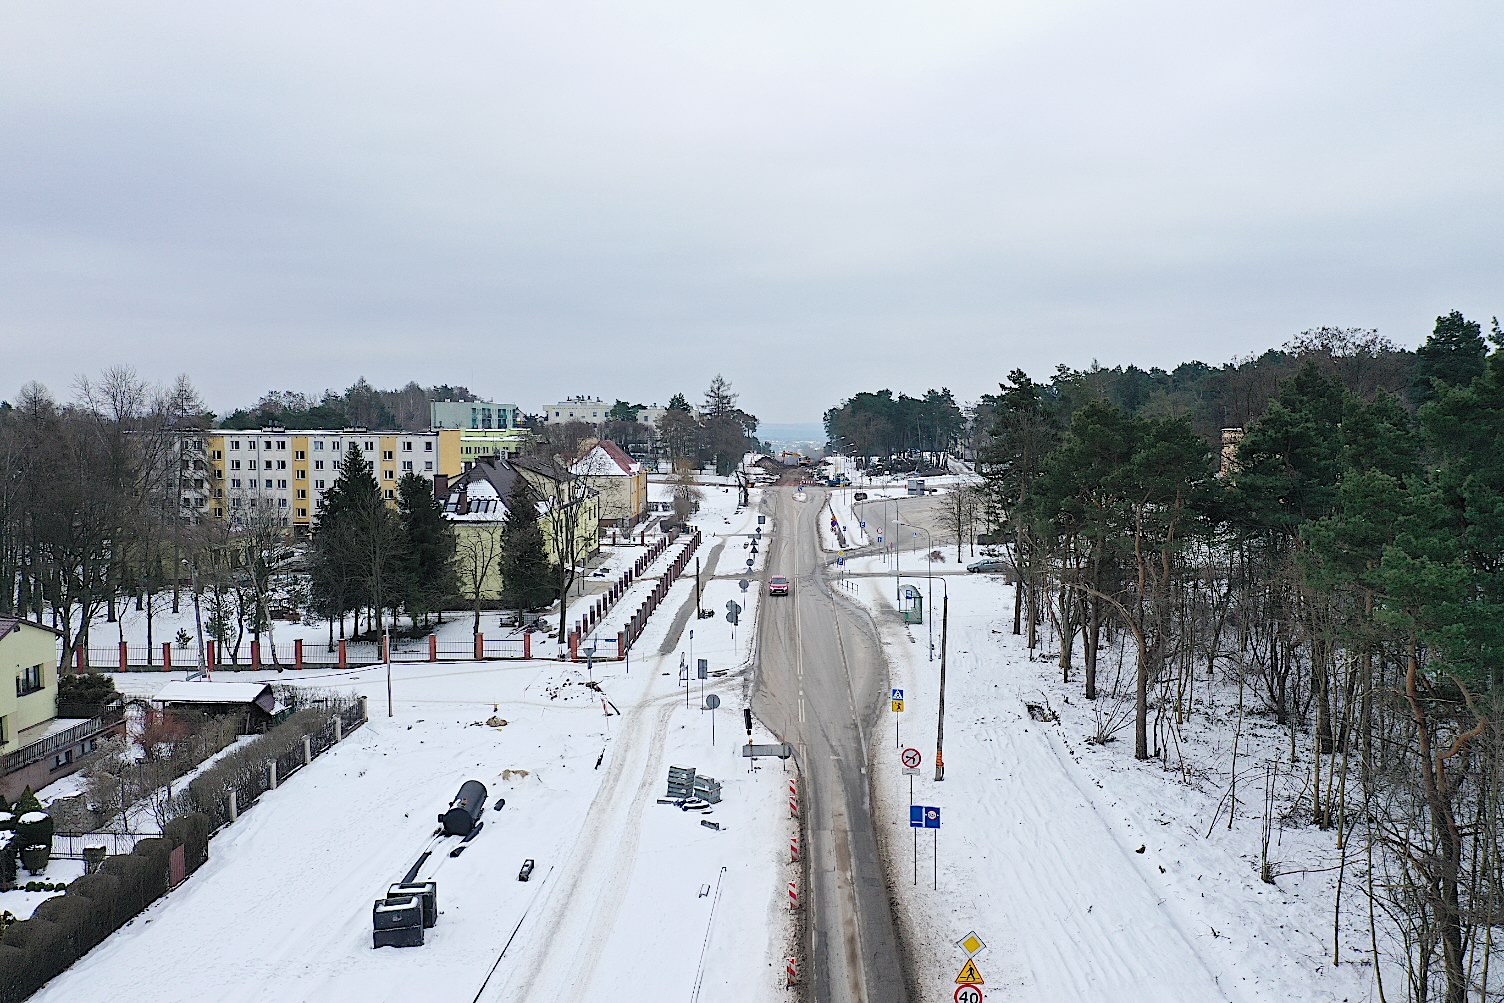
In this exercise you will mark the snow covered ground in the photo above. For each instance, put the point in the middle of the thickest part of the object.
(627, 892)
(1090, 876)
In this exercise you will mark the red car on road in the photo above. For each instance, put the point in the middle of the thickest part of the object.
(778, 585)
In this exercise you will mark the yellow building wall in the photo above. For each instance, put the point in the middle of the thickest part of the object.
(215, 444)
(302, 508)
(24, 646)
(450, 462)
(386, 470)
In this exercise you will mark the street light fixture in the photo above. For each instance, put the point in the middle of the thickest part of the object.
(940, 714)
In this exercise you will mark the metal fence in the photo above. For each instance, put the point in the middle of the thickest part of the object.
(70, 845)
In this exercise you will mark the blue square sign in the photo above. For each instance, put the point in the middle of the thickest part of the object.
(898, 694)
(931, 818)
(916, 816)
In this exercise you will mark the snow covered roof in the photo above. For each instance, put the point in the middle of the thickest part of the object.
(606, 459)
(207, 691)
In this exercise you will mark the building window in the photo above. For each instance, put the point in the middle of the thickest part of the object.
(281, 483)
(234, 443)
(302, 493)
(281, 502)
(298, 454)
(302, 513)
(390, 494)
(319, 464)
(268, 482)
(268, 443)
(219, 513)
(370, 445)
(318, 445)
(250, 464)
(427, 464)
(29, 681)
(234, 482)
(235, 464)
(62, 759)
(281, 443)
(300, 475)
(281, 464)
(235, 502)
(218, 455)
(388, 475)
(427, 447)
(319, 485)
(386, 454)
(407, 464)
(407, 447)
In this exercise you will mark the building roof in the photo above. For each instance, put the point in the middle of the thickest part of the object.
(606, 459)
(10, 623)
(207, 691)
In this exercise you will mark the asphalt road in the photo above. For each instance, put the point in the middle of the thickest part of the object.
(821, 685)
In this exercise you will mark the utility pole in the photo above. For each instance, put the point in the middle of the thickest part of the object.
(940, 721)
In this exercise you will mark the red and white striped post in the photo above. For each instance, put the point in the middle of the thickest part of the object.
(793, 897)
(791, 973)
(794, 849)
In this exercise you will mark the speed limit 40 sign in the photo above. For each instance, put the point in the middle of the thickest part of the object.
(968, 994)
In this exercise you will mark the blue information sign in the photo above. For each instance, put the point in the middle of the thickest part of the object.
(931, 818)
(916, 816)
(898, 694)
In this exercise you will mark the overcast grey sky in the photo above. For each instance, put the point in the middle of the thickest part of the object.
(622, 199)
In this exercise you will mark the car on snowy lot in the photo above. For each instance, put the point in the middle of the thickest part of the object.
(527, 870)
(778, 585)
(990, 566)
(859, 496)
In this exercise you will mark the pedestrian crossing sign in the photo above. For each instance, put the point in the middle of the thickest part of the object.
(969, 975)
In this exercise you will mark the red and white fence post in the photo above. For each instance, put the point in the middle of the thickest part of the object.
(793, 896)
(791, 973)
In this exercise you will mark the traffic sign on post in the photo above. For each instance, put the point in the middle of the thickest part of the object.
(745, 584)
(916, 816)
(968, 994)
(969, 974)
(932, 820)
(911, 758)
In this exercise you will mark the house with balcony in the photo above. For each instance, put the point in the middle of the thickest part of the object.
(36, 746)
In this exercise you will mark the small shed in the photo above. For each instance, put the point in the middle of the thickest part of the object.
(253, 703)
(911, 605)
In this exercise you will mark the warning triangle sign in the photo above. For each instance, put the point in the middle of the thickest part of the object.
(969, 974)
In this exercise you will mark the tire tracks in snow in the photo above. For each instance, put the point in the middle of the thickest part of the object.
(563, 968)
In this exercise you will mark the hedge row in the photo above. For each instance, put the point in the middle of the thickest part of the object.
(65, 928)
(243, 770)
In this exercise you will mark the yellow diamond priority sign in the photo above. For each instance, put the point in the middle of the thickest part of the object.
(969, 975)
(972, 944)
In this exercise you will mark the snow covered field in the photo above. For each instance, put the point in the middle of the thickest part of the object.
(1090, 876)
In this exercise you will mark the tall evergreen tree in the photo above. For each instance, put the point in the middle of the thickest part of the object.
(429, 543)
(527, 575)
(1452, 356)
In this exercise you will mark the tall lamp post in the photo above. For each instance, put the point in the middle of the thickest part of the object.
(940, 714)
(198, 617)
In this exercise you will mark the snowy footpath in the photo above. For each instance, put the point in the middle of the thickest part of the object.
(1089, 877)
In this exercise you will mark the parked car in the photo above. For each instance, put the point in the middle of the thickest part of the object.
(991, 565)
(858, 496)
(527, 870)
(778, 585)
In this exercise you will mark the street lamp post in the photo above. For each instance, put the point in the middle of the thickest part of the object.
(589, 651)
(198, 617)
(940, 715)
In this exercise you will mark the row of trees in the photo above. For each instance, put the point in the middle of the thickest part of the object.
(90, 493)
(1347, 573)
(879, 424)
(359, 406)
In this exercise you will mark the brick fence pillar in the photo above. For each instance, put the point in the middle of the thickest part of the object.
(480, 646)
(166, 656)
(344, 662)
(255, 654)
(433, 647)
(527, 644)
(124, 657)
(297, 653)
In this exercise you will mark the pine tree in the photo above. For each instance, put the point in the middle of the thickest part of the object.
(428, 572)
(1452, 356)
(527, 575)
